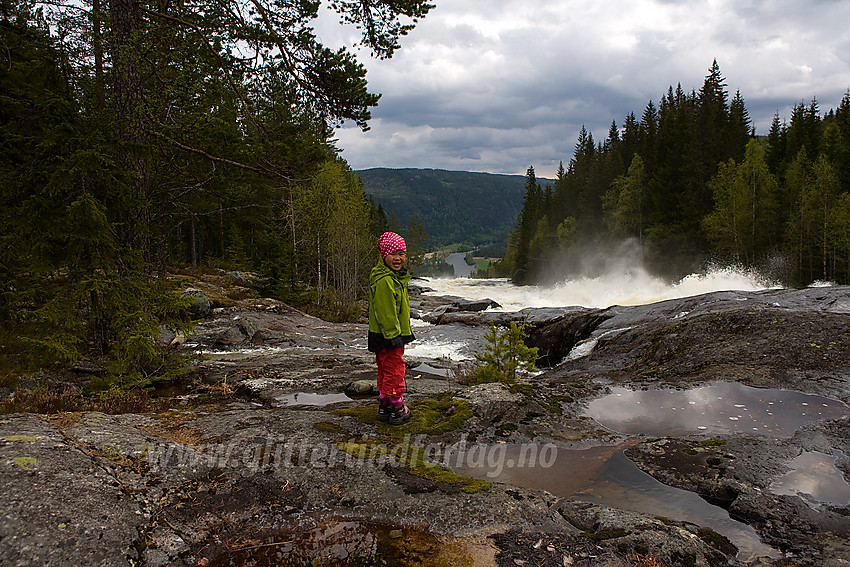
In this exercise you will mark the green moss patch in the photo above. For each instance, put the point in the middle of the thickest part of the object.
(646, 373)
(366, 413)
(553, 403)
(26, 463)
(433, 417)
(22, 438)
(327, 427)
(413, 458)
(429, 416)
(526, 390)
(717, 541)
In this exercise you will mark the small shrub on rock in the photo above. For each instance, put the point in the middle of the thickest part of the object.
(506, 357)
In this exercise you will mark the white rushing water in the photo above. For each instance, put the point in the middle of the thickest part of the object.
(635, 287)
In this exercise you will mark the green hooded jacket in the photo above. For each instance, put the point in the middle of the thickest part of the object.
(389, 308)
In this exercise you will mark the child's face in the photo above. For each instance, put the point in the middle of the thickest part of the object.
(395, 260)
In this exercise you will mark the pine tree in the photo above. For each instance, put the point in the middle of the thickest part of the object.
(804, 130)
(776, 144)
(740, 127)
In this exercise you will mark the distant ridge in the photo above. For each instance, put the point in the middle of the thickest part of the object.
(453, 206)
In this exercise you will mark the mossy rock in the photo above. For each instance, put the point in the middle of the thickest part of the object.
(429, 417)
(198, 302)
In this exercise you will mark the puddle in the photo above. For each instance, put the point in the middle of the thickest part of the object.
(814, 475)
(425, 367)
(352, 544)
(722, 408)
(311, 399)
(605, 476)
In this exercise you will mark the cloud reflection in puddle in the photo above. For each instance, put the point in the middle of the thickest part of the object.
(721, 408)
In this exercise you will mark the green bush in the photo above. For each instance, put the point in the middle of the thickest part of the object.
(506, 355)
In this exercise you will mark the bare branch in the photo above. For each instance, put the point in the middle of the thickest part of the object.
(209, 156)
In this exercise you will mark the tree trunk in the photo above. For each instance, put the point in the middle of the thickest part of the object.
(97, 45)
(126, 24)
(193, 247)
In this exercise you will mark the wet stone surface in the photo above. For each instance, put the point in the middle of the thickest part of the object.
(238, 473)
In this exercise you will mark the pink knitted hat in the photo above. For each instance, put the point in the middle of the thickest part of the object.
(390, 242)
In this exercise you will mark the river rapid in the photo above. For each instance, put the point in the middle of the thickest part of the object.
(635, 287)
(456, 343)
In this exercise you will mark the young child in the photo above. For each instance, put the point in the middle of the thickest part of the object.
(389, 325)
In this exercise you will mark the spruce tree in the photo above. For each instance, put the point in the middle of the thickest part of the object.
(531, 213)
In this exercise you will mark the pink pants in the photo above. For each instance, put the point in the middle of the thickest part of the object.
(391, 373)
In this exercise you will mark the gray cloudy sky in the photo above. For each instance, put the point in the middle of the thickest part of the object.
(498, 85)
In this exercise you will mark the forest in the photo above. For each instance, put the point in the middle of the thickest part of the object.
(141, 138)
(690, 185)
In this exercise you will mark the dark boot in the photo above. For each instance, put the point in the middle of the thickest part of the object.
(399, 415)
(383, 410)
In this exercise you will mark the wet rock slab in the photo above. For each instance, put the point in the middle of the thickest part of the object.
(230, 473)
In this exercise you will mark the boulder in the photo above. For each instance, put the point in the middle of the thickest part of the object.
(165, 335)
(243, 279)
(243, 331)
(199, 303)
(362, 388)
(232, 336)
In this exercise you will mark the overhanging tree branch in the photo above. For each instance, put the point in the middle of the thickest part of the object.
(209, 156)
(203, 37)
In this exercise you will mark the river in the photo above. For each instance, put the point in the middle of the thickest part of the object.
(634, 287)
(457, 260)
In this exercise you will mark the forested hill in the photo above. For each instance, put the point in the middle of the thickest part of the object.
(453, 206)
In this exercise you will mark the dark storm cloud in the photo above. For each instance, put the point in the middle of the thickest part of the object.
(497, 86)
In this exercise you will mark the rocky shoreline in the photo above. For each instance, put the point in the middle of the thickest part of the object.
(272, 453)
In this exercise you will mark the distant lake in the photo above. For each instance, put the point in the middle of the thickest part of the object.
(457, 261)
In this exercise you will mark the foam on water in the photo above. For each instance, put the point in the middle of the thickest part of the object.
(439, 348)
(635, 287)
